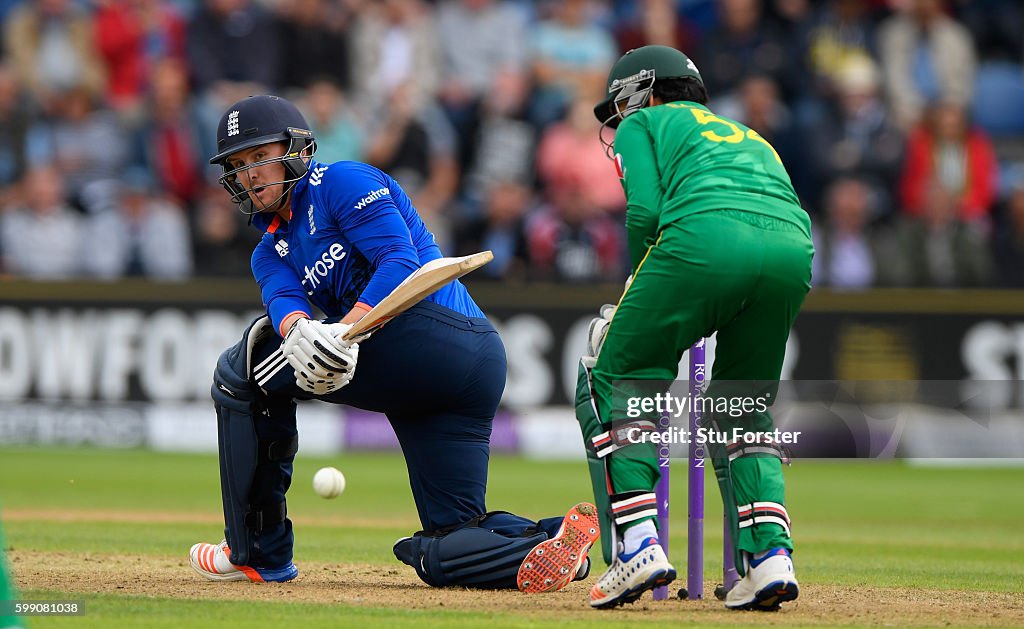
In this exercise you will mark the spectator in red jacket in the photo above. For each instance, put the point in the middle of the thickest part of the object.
(131, 35)
(945, 151)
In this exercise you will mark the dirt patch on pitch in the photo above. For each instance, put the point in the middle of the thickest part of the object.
(398, 588)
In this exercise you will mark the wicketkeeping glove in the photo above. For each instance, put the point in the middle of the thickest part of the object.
(322, 362)
(599, 329)
(599, 326)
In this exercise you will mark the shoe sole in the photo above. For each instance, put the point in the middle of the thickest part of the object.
(771, 597)
(279, 575)
(632, 595)
(552, 564)
(211, 576)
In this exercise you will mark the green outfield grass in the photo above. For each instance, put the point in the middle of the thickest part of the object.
(855, 523)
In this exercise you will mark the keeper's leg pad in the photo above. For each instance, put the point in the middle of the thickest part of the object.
(485, 552)
(591, 426)
(255, 455)
(750, 480)
(603, 440)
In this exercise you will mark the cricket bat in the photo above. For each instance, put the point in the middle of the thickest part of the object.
(428, 279)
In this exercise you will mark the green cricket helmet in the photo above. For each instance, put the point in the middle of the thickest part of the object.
(631, 80)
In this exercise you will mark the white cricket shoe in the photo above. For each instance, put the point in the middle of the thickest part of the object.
(769, 582)
(631, 575)
(213, 562)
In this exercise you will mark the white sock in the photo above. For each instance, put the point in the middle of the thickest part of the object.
(635, 534)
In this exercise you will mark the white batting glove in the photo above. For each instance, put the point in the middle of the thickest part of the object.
(322, 362)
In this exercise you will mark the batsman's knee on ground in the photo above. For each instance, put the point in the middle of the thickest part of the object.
(500, 550)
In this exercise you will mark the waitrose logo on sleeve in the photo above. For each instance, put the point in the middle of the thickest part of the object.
(370, 198)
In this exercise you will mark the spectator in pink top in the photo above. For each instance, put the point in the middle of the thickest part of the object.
(568, 153)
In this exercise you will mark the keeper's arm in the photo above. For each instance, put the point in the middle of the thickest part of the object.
(641, 180)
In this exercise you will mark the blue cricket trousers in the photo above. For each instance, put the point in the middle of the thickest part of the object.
(438, 377)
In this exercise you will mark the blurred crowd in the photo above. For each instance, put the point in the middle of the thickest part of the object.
(901, 123)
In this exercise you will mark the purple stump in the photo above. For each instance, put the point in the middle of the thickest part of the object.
(695, 489)
(661, 492)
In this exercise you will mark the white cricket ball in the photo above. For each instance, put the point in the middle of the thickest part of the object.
(328, 482)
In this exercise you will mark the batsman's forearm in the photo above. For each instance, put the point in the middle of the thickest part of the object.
(289, 320)
(358, 312)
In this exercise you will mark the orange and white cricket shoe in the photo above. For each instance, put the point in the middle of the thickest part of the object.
(553, 563)
(213, 562)
(631, 575)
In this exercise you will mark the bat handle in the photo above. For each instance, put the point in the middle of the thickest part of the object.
(359, 337)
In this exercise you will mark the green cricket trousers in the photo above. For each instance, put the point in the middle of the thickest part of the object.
(740, 274)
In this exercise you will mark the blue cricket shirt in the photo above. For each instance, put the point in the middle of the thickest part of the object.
(354, 235)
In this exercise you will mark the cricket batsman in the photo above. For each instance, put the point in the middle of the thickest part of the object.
(340, 237)
(718, 242)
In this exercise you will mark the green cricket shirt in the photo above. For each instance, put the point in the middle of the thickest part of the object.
(679, 159)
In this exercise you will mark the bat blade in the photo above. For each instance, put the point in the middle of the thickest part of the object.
(426, 280)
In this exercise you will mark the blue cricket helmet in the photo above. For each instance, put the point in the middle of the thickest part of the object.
(258, 120)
